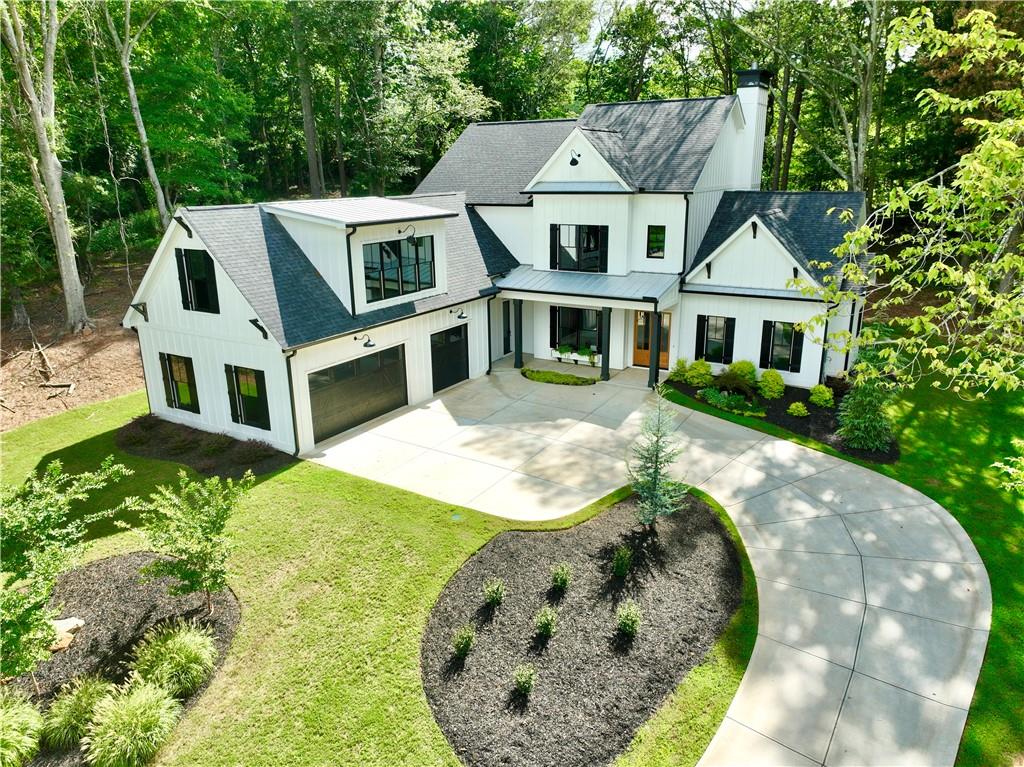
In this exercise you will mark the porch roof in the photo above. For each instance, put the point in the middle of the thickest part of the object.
(643, 287)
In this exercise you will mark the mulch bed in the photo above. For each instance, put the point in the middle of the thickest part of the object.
(820, 424)
(118, 607)
(592, 690)
(207, 453)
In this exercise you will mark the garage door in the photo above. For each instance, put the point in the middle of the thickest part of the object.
(353, 392)
(449, 357)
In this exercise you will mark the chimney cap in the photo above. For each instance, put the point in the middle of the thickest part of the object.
(754, 77)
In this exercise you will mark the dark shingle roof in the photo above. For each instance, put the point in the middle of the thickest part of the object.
(800, 221)
(493, 162)
(292, 299)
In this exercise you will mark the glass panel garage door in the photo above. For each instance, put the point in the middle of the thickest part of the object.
(354, 392)
(449, 357)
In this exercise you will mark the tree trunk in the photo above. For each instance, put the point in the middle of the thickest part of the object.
(316, 186)
(780, 128)
(787, 159)
(39, 100)
(339, 145)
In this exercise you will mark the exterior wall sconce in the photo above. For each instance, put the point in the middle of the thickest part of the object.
(574, 157)
(461, 313)
(367, 343)
(411, 239)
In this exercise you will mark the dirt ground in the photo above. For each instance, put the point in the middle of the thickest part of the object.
(101, 363)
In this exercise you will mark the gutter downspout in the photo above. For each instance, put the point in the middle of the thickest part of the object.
(351, 280)
(824, 345)
(853, 307)
(490, 343)
(686, 236)
(288, 354)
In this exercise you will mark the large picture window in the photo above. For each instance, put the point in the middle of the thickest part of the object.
(197, 279)
(579, 329)
(398, 267)
(179, 382)
(247, 396)
(782, 346)
(579, 248)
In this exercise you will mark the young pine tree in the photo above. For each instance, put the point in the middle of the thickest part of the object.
(658, 495)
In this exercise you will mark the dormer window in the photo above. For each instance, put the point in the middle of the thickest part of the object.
(197, 279)
(398, 267)
(579, 248)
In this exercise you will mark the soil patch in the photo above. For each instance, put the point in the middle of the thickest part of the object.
(593, 690)
(207, 453)
(118, 608)
(820, 424)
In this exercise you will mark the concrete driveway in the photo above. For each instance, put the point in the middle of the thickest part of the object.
(874, 604)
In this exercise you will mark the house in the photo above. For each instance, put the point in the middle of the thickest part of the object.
(634, 235)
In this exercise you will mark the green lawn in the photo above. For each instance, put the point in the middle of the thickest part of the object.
(947, 448)
(336, 576)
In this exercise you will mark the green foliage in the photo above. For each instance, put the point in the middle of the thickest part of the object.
(744, 369)
(561, 576)
(523, 678)
(863, 421)
(771, 385)
(545, 622)
(71, 711)
(699, 374)
(798, 409)
(565, 350)
(494, 592)
(177, 657)
(658, 495)
(822, 396)
(187, 525)
(20, 725)
(628, 617)
(1012, 469)
(678, 372)
(735, 382)
(733, 403)
(462, 641)
(622, 561)
(42, 533)
(128, 727)
(557, 377)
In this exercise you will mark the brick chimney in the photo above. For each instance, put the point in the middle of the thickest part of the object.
(753, 94)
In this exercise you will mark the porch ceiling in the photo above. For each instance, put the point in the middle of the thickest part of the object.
(632, 290)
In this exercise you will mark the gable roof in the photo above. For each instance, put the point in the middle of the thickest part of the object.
(492, 162)
(799, 220)
(292, 299)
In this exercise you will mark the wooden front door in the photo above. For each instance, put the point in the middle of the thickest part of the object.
(643, 339)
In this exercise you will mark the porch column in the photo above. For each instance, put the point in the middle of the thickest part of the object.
(517, 310)
(606, 333)
(654, 335)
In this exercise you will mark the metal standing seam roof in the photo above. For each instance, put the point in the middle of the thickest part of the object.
(634, 286)
(360, 211)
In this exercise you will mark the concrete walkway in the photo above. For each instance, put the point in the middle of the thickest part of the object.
(874, 604)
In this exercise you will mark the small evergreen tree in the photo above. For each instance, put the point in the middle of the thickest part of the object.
(187, 525)
(658, 495)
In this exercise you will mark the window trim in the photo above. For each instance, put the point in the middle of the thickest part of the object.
(171, 383)
(555, 245)
(237, 400)
(416, 265)
(650, 228)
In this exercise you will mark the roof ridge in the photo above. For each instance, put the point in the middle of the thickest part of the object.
(660, 101)
(226, 206)
(791, 192)
(521, 122)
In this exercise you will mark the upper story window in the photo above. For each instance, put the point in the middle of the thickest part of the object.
(398, 267)
(197, 279)
(655, 241)
(179, 382)
(782, 346)
(579, 247)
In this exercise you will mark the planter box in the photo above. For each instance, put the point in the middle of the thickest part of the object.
(576, 359)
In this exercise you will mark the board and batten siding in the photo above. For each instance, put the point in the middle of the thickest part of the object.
(668, 210)
(325, 247)
(511, 223)
(746, 261)
(211, 341)
(611, 210)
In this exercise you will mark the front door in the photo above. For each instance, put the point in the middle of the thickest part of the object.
(449, 357)
(643, 339)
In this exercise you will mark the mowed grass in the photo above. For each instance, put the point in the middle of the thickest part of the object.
(948, 446)
(336, 576)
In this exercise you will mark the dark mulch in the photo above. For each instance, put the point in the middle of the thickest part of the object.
(208, 453)
(820, 424)
(593, 690)
(118, 607)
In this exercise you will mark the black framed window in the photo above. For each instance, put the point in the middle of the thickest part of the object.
(579, 248)
(247, 395)
(197, 279)
(715, 338)
(576, 328)
(398, 267)
(179, 382)
(655, 241)
(782, 346)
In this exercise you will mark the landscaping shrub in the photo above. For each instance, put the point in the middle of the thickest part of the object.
(622, 561)
(179, 657)
(561, 576)
(253, 451)
(128, 728)
(71, 711)
(139, 430)
(545, 622)
(658, 494)
(20, 725)
(678, 373)
(734, 382)
(771, 385)
(523, 678)
(734, 403)
(494, 592)
(180, 443)
(699, 374)
(557, 377)
(822, 396)
(744, 369)
(628, 618)
(798, 409)
(215, 444)
(863, 421)
(463, 640)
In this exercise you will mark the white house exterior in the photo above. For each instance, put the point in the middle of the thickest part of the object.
(291, 322)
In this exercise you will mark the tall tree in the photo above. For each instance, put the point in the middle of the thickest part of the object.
(316, 182)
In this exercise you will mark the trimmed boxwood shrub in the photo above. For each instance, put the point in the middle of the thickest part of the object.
(628, 617)
(822, 396)
(744, 369)
(863, 421)
(678, 373)
(545, 622)
(799, 409)
(129, 727)
(699, 374)
(71, 711)
(561, 576)
(523, 678)
(494, 592)
(771, 385)
(177, 657)
(463, 640)
(622, 561)
(20, 725)
(557, 377)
